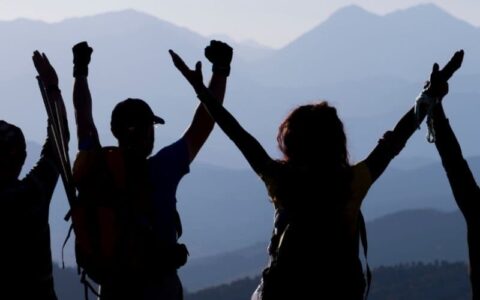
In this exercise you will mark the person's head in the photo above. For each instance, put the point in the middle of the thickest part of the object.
(132, 123)
(12, 152)
(313, 135)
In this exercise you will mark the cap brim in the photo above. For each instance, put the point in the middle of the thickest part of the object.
(158, 120)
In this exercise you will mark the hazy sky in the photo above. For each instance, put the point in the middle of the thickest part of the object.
(270, 22)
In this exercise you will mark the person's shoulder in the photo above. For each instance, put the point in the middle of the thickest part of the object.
(177, 148)
(360, 168)
(87, 161)
(361, 180)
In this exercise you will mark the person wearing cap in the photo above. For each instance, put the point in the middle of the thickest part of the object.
(132, 124)
(25, 254)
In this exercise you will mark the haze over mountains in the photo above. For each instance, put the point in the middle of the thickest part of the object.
(130, 59)
(371, 67)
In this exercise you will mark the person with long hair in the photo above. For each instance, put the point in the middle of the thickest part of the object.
(315, 190)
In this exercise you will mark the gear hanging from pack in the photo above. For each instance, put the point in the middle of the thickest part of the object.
(426, 102)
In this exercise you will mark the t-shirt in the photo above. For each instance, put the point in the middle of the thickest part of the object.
(167, 167)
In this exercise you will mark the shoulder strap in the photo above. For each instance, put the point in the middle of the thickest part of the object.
(178, 224)
(282, 236)
(363, 237)
(115, 164)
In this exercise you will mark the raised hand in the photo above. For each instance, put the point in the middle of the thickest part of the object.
(49, 78)
(82, 54)
(220, 55)
(45, 70)
(437, 86)
(194, 77)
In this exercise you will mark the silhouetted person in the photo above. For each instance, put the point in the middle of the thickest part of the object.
(25, 255)
(316, 193)
(151, 180)
(465, 190)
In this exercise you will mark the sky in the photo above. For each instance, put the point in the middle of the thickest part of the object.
(273, 23)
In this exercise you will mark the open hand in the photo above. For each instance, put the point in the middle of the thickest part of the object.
(194, 77)
(437, 86)
(45, 70)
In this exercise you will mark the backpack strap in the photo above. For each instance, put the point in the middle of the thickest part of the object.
(178, 224)
(65, 243)
(363, 237)
(87, 286)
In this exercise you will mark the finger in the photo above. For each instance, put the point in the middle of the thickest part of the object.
(434, 75)
(208, 51)
(80, 45)
(198, 67)
(426, 84)
(37, 59)
(36, 56)
(453, 65)
(198, 70)
(46, 59)
(178, 62)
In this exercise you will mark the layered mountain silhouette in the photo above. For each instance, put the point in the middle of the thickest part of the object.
(413, 281)
(415, 235)
(371, 67)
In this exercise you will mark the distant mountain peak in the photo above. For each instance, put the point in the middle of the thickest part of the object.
(423, 8)
(351, 11)
(131, 15)
(353, 8)
(129, 12)
(427, 10)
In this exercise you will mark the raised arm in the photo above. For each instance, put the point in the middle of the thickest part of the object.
(256, 156)
(82, 100)
(220, 54)
(465, 190)
(45, 173)
(393, 141)
(462, 181)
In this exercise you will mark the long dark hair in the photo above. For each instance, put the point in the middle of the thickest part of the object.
(313, 137)
(313, 134)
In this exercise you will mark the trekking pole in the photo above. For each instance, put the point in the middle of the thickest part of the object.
(57, 130)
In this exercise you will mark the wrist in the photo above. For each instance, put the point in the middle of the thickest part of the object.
(80, 70)
(202, 93)
(52, 88)
(219, 69)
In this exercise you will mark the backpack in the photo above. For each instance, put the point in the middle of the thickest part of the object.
(274, 282)
(114, 235)
(100, 180)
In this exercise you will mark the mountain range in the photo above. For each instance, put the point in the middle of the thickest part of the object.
(415, 235)
(371, 67)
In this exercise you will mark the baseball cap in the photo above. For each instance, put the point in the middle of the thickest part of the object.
(133, 112)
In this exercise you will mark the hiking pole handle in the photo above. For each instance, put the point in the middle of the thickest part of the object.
(62, 155)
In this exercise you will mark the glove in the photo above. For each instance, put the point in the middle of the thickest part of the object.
(220, 55)
(82, 54)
